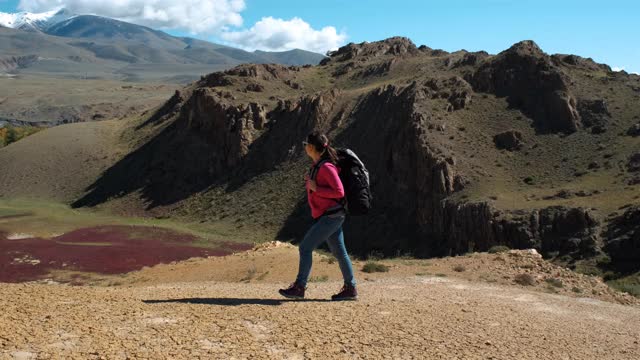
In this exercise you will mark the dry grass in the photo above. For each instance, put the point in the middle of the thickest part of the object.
(373, 267)
(525, 279)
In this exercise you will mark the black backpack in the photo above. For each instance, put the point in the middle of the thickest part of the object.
(355, 180)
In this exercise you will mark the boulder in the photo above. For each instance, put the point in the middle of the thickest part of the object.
(634, 130)
(509, 140)
(633, 164)
(255, 87)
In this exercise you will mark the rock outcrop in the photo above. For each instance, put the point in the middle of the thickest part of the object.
(455, 89)
(263, 71)
(477, 227)
(594, 114)
(509, 140)
(622, 239)
(527, 77)
(395, 46)
(468, 59)
(579, 62)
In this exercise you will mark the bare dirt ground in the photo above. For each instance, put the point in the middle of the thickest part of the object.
(228, 308)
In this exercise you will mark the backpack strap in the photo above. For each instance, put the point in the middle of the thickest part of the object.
(313, 173)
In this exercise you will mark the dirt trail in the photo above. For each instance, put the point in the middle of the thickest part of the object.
(211, 308)
(409, 317)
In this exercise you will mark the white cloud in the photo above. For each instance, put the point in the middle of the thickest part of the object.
(221, 18)
(624, 68)
(278, 35)
(196, 16)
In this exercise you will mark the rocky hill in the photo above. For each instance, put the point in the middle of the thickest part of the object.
(466, 150)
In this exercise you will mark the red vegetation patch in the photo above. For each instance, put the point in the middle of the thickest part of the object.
(103, 249)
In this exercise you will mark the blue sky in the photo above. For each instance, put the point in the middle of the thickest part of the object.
(606, 31)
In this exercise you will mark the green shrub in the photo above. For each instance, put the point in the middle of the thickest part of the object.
(322, 278)
(498, 249)
(629, 284)
(554, 282)
(372, 267)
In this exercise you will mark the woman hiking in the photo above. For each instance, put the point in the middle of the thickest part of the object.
(325, 194)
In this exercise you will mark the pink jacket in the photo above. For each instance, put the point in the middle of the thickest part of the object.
(329, 190)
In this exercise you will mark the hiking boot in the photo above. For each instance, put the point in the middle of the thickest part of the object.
(348, 292)
(294, 291)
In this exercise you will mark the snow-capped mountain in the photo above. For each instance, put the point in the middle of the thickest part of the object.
(32, 21)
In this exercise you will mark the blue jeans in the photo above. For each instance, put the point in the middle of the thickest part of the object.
(328, 228)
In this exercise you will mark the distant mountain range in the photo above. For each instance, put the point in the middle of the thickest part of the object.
(63, 44)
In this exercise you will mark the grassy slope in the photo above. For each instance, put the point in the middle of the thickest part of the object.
(46, 219)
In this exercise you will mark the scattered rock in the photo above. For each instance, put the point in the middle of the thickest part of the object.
(294, 85)
(634, 130)
(568, 194)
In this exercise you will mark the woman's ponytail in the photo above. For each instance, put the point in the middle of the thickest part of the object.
(320, 142)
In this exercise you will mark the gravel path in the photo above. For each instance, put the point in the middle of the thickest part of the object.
(399, 317)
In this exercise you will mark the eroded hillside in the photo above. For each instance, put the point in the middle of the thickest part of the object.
(466, 150)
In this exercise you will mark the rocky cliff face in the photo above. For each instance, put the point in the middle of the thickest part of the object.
(433, 129)
(622, 240)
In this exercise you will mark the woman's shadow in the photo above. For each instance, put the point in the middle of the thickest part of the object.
(231, 301)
